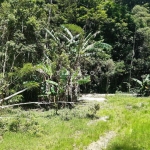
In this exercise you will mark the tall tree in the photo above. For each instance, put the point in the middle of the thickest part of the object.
(21, 24)
(141, 16)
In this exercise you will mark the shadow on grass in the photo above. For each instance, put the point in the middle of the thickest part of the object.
(123, 146)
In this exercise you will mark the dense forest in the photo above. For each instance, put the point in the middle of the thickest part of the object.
(52, 50)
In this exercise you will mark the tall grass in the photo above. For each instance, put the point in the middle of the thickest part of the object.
(57, 132)
(132, 116)
(128, 116)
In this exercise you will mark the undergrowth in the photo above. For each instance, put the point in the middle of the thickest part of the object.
(67, 125)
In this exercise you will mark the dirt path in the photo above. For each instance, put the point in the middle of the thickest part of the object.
(93, 97)
(102, 143)
(98, 97)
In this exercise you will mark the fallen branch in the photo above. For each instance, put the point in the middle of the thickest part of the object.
(38, 103)
(6, 98)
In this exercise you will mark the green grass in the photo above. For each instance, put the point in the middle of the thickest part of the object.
(132, 118)
(57, 132)
(129, 117)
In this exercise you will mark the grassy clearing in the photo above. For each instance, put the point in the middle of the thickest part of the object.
(132, 118)
(66, 131)
(70, 130)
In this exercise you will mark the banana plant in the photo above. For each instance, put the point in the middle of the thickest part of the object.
(48, 86)
(144, 89)
(77, 47)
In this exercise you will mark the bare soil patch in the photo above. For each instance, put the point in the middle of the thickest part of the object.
(102, 143)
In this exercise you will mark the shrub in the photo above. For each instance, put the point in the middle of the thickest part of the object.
(14, 125)
(86, 111)
(28, 124)
(93, 110)
(3, 126)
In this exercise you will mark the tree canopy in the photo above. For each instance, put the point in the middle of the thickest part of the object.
(52, 50)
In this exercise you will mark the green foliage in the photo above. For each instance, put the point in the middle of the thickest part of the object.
(125, 114)
(67, 114)
(132, 111)
(93, 110)
(74, 29)
(31, 84)
(75, 49)
(84, 80)
(16, 99)
(15, 125)
(26, 123)
(3, 126)
(119, 67)
(26, 70)
(59, 40)
(21, 46)
(144, 85)
(56, 129)
(51, 82)
(141, 16)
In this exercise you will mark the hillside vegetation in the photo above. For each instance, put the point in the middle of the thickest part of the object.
(53, 50)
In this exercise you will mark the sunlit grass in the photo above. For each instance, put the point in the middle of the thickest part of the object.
(57, 133)
(132, 116)
(128, 116)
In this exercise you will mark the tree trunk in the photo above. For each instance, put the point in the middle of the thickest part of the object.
(6, 98)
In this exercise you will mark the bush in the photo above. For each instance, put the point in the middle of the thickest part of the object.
(86, 111)
(15, 125)
(3, 126)
(7, 111)
(26, 123)
(93, 110)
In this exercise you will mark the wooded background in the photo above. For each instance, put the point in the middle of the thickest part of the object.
(52, 50)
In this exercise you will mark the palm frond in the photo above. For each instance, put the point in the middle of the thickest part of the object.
(51, 34)
(68, 32)
(65, 37)
(52, 82)
(137, 81)
(147, 78)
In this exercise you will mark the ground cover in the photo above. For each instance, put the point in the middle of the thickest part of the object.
(74, 129)
(132, 118)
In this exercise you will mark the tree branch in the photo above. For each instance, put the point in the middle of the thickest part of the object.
(4, 99)
(20, 104)
(38, 103)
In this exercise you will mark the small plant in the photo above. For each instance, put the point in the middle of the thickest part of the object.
(9, 111)
(93, 110)
(3, 127)
(66, 114)
(33, 127)
(15, 125)
(77, 112)
(26, 123)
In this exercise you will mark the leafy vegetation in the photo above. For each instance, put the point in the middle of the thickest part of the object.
(63, 47)
(51, 51)
(144, 85)
(59, 54)
(65, 130)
